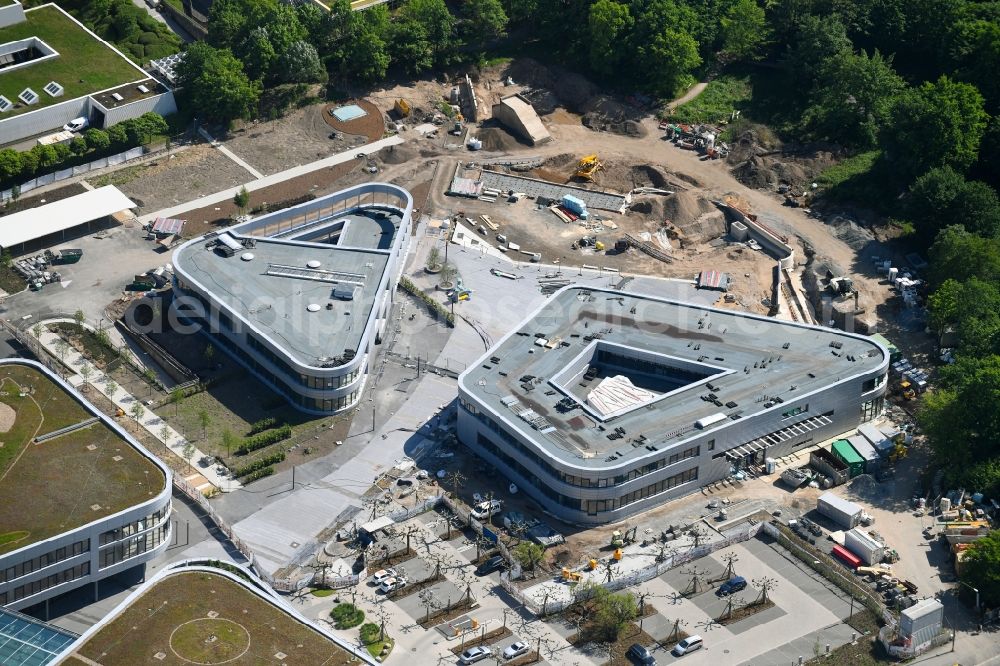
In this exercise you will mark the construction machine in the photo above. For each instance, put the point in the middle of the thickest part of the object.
(905, 389)
(587, 167)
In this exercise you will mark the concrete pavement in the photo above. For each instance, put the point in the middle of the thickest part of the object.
(230, 154)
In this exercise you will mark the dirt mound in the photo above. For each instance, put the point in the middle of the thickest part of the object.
(497, 139)
(398, 154)
(849, 231)
(606, 114)
(755, 173)
(622, 177)
(684, 208)
(569, 88)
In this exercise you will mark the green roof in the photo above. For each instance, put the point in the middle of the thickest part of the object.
(52, 486)
(843, 449)
(84, 65)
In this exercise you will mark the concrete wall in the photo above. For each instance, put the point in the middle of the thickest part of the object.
(15, 128)
(11, 14)
(162, 104)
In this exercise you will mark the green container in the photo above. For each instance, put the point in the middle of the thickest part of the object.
(843, 450)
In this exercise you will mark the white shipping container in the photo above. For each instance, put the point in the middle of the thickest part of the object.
(864, 546)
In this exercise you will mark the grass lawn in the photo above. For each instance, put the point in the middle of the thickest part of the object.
(37, 496)
(322, 592)
(10, 281)
(722, 96)
(104, 68)
(179, 616)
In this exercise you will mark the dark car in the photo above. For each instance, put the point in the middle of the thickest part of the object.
(495, 563)
(640, 655)
(732, 586)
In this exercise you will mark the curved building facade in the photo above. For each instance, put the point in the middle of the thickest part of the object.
(302, 296)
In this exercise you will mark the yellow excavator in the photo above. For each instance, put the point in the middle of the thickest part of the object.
(587, 167)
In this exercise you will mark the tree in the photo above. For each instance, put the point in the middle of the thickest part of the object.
(117, 136)
(411, 46)
(959, 254)
(744, 30)
(136, 411)
(176, 396)
(111, 386)
(36, 330)
(935, 124)
(434, 259)
(242, 200)
(528, 554)
(228, 440)
(98, 140)
(62, 347)
(188, 451)
(608, 23)
(78, 145)
(943, 195)
(369, 58)
(150, 376)
(204, 419)
(612, 612)
(165, 435)
(853, 98)
(668, 59)
(6, 258)
(814, 41)
(208, 354)
(86, 371)
(300, 64)
(79, 318)
(982, 568)
(47, 156)
(438, 24)
(957, 419)
(10, 164)
(215, 82)
(483, 20)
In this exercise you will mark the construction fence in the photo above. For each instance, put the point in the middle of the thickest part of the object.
(549, 607)
(78, 170)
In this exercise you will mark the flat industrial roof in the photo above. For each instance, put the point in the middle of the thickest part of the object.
(57, 216)
(744, 358)
(86, 64)
(25, 641)
(276, 306)
(38, 497)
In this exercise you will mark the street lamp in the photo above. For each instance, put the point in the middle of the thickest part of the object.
(974, 589)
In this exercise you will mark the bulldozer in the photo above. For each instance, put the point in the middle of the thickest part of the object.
(587, 167)
(905, 389)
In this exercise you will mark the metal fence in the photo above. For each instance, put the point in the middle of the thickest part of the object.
(634, 578)
(78, 170)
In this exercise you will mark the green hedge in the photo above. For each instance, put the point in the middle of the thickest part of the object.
(262, 425)
(259, 464)
(369, 632)
(261, 440)
(436, 308)
(259, 474)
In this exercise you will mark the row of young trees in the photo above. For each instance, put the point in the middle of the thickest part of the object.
(17, 166)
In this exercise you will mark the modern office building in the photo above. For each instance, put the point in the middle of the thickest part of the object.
(38, 46)
(603, 404)
(80, 499)
(301, 297)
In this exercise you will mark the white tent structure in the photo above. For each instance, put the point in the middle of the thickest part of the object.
(28, 225)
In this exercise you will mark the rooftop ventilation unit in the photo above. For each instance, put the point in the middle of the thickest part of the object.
(117, 97)
(5, 104)
(143, 89)
(28, 96)
(53, 89)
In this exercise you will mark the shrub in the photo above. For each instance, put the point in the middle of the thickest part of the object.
(436, 308)
(263, 439)
(347, 616)
(259, 474)
(262, 425)
(369, 632)
(259, 464)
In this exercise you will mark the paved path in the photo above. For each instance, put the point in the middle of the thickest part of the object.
(274, 178)
(230, 154)
(153, 424)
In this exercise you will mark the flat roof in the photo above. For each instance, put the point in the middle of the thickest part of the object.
(275, 302)
(25, 641)
(59, 484)
(86, 64)
(57, 216)
(746, 361)
(172, 622)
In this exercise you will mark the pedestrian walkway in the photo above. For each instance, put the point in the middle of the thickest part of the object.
(203, 480)
(275, 178)
(230, 154)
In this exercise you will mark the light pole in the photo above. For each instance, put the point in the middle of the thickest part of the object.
(974, 589)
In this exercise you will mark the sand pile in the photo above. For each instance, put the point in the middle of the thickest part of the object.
(404, 152)
(849, 231)
(497, 139)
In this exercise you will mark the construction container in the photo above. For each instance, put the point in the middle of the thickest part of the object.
(870, 550)
(865, 449)
(945, 505)
(843, 450)
(922, 621)
(830, 466)
(845, 514)
(574, 204)
(770, 465)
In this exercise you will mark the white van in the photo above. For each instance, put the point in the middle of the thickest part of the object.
(689, 644)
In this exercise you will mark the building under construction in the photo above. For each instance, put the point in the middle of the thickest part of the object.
(602, 404)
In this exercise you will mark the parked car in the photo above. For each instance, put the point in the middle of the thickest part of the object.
(689, 644)
(638, 654)
(515, 650)
(484, 510)
(495, 563)
(472, 655)
(383, 575)
(390, 584)
(76, 125)
(732, 586)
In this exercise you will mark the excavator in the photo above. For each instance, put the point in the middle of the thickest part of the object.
(587, 167)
